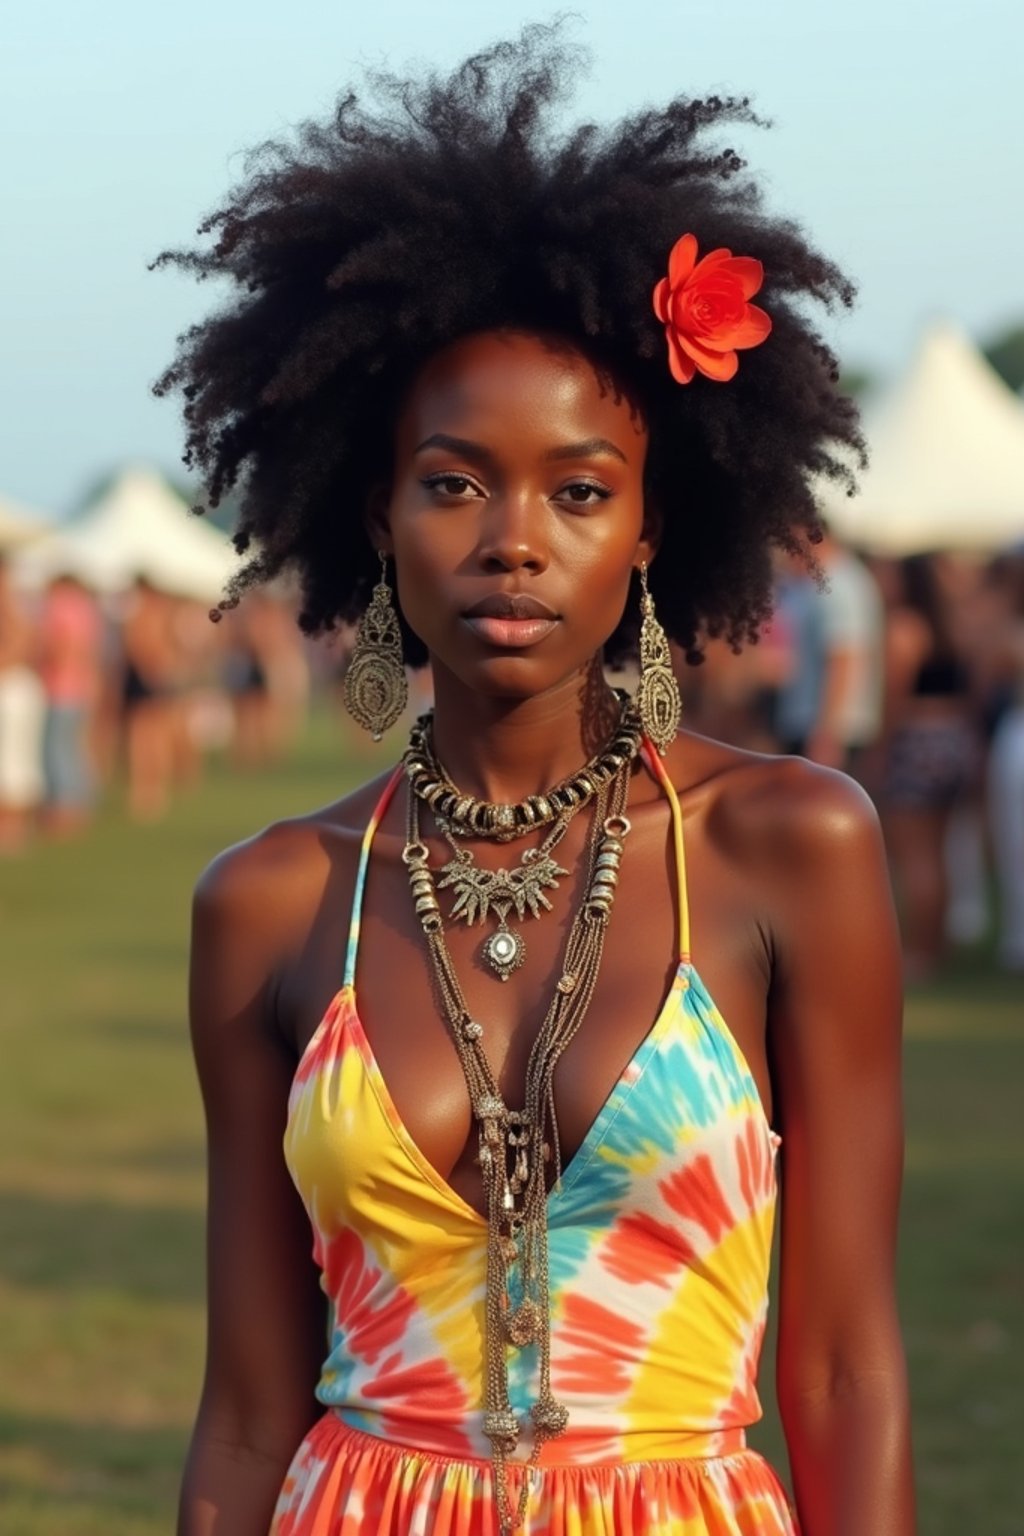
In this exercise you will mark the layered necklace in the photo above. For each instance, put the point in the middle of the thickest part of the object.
(522, 890)
(516, 1146)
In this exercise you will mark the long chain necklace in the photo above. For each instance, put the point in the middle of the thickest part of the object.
(515, 1146)
(468, 817)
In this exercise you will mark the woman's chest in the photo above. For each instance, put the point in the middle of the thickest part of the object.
(404, 1005)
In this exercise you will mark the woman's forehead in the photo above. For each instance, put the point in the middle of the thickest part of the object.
(497, 385)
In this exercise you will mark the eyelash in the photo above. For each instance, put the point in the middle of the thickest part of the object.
(601, 492)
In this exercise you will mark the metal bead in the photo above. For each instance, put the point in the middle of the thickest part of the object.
(501, 1427)
(549, 1417)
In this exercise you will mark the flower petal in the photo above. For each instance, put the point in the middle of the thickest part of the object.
(747, 271)
(681, 260)
(742, 330)
(756, 328)
(713, 258)
(683, 367)
(660, 299)
(720, 366)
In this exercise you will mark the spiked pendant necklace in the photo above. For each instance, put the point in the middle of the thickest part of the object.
(522, 890)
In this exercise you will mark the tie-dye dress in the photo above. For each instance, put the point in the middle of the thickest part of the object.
(660, 1236)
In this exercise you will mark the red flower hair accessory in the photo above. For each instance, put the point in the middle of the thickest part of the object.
(705, 309)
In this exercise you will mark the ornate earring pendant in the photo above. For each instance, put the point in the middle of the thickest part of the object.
(657, 699)
(376, 687)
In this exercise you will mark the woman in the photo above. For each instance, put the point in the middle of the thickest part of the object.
(459, 374)
(22, 719)
(932, 752)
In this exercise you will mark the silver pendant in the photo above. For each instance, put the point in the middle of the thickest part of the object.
(504, 952)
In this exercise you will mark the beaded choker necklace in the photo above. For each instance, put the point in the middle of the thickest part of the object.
(469, 817)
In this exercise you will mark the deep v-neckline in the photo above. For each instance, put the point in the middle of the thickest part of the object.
(596, 1132)
(627, 1078)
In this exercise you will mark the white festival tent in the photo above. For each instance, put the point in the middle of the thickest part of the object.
(19, 526)
(139, 528)
(947, 458)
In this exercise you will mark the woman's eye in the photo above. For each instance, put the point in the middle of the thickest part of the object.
(452, 485)
(584, 493)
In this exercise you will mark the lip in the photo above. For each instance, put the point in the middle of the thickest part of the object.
(509, 634)
(510, 605)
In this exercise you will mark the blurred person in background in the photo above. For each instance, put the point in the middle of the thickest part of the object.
(151, 671)
(732, 696)
(931, 755)
(71, 655)
(829, 706)
(265, 672)
(799, 628)
(1006, 761)
(193, 689)
(22, 719)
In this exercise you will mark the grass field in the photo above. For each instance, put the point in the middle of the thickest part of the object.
(101, 1186)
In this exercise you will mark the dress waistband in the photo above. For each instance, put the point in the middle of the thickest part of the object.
(576, 1449)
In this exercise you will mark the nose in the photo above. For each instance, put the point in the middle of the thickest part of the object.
(512, 535)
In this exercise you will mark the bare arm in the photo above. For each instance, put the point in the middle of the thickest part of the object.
(835, 1029)
(266, 1321)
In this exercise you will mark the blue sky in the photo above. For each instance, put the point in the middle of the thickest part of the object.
(897, 140)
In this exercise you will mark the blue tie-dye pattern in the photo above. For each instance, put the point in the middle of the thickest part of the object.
(681, 1079)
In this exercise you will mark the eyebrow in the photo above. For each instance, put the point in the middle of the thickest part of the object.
(591, 447)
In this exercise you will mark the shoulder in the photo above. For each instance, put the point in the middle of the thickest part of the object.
(789, 824)
(271, 883)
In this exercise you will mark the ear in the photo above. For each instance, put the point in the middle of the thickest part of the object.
(375, 519)
(650, 534)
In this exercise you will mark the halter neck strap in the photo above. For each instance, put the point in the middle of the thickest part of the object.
(364, 863)
(655, 765)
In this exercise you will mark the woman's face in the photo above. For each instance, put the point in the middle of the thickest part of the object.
(516, 511)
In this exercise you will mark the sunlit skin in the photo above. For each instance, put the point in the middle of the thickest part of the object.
(793, 935)
(518, 471)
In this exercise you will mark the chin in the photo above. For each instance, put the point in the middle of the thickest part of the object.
(510, 676)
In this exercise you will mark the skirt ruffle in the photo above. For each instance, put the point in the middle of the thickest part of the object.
(346, 1483)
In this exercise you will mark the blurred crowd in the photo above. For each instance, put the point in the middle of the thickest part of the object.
(907, 674)
(135, 690)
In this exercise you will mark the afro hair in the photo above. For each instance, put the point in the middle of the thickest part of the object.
(438, 207)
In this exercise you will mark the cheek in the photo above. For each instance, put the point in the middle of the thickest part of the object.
(600, 558)
(426, 568)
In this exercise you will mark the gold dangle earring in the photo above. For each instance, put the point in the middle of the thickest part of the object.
(376, 687)
(657, 698)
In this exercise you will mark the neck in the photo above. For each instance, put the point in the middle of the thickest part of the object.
(502, 750)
